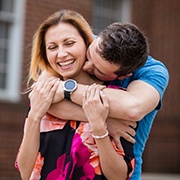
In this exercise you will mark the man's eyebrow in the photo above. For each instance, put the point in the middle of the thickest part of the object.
(89, 53)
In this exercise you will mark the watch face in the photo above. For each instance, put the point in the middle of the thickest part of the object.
(70, 85)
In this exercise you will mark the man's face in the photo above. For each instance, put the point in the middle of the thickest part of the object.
(97, 66)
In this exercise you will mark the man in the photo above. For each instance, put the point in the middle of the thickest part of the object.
(120, 55)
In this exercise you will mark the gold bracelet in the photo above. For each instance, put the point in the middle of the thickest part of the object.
(101, 137)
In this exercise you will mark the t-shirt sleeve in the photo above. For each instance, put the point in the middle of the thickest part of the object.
(155, 74)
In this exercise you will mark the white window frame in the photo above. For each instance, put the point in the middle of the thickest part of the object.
(117, 11)
(14, 57)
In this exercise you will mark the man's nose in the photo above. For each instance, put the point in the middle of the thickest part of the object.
(88, 66)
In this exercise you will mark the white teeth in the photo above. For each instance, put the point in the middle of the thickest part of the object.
(66, 63)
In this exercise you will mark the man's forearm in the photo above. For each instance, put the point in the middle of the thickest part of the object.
(70, 111)
(133, 104)
(67, 110)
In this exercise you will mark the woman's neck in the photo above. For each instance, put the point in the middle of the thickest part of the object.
(86, 79)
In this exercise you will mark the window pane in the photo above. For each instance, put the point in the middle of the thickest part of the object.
(4, 27)
(2, 81)
(6, 5)
(6, 8)
(107, 12)
(3, 70)
(11, 28)
(3, 58)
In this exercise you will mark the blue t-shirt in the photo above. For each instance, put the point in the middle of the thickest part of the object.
(156, 74)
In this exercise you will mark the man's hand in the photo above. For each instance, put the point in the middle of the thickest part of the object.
(120, 128)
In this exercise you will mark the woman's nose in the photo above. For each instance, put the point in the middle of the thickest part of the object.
(62, 53)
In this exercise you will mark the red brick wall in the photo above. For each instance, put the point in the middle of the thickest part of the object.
(160, 21)
(12, 115)
(11, 127)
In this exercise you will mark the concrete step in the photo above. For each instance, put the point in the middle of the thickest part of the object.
(154, 176)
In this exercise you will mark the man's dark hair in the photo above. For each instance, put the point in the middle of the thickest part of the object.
(125, 45)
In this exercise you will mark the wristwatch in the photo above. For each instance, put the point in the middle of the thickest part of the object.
(69, 87)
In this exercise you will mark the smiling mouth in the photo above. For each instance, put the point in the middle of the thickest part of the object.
(62, 64)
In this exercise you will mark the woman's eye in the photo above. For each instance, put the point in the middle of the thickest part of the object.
(70, 43)
(52, 47)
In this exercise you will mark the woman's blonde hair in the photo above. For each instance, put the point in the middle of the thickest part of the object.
(39, 60)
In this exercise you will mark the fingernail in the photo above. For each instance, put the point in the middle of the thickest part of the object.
(101, 92)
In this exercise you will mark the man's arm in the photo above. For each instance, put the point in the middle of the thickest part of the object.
(133, 104)
(67, 110)
(116, 127)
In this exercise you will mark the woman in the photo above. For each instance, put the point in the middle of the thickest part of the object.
(56, 149)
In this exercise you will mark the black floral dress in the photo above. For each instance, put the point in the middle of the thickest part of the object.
(69, 152)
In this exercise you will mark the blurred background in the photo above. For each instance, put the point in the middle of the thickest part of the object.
(160, 21)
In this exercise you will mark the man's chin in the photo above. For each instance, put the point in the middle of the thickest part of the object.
(103, 79)
(94, 77)
(100, 78)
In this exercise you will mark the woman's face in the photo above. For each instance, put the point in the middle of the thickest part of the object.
(65, 50)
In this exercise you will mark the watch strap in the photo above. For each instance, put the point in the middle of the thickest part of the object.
(67, 95)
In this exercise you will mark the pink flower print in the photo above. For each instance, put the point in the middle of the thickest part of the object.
(36, 173)
(58, 173)
(79, 159)
(50, 123)
(116, 87)
(85, 132)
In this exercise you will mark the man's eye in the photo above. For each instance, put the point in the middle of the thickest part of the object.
(101, 73)
(87, 56)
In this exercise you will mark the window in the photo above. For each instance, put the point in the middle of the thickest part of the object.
(109, 11)
(11, 23)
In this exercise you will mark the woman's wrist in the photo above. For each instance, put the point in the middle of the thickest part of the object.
(100, 132)
(34, 116)
(101, 136)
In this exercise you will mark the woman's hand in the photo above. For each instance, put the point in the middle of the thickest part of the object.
(96, 108)
(44, 75)
(41, 96)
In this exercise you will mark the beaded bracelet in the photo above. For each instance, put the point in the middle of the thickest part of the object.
(101, 137)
